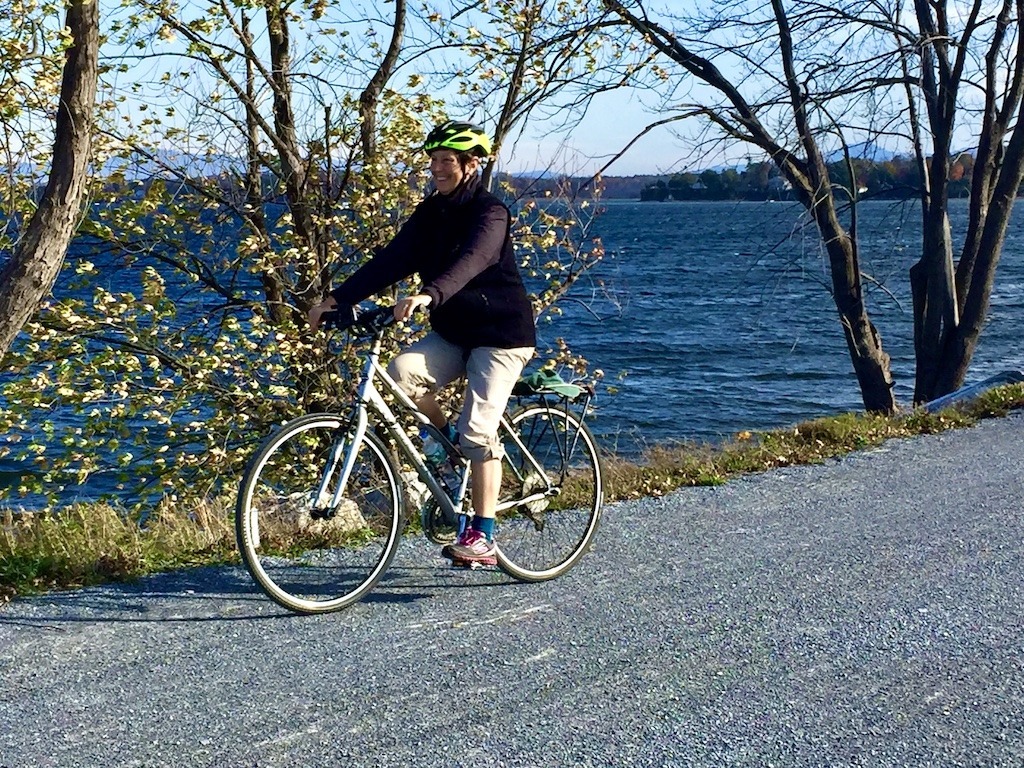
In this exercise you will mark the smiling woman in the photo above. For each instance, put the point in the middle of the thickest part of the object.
(448, 172)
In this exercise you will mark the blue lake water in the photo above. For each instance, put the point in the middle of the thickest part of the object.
(718, 316)
(712, 318)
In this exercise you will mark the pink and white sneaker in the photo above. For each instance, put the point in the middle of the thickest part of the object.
(471, 548)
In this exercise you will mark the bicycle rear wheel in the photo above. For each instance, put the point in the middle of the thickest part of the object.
(307, 555)
(543, 538)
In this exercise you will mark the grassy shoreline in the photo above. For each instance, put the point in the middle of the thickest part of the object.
(95, 543)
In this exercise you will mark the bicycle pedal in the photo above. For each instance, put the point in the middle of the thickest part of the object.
(469, 565)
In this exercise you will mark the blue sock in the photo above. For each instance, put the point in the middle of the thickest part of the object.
(485, 525)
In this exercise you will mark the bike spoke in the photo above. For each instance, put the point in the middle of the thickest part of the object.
(542, 538)
(310, 547)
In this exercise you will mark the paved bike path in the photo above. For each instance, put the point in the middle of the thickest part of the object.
(865, 612)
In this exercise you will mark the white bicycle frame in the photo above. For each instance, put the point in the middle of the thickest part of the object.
(369, 399)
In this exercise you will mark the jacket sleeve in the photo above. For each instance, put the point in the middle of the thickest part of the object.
(481, 249)
(393, 263)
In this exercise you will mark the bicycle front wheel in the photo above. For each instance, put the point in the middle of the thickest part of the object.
(308, 553)
(557, 481)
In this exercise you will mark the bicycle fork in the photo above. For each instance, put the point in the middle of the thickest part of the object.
(347, 447)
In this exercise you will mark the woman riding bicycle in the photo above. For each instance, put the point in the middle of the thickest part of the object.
(482, 325)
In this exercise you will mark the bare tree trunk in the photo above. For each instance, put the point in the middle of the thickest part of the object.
(29, 276)
(864, 343)
(273, 288)
(810, 181)
(961, 344)
(934, 295)
(370, 96)
(870, 361)
(294, 171)
(931, 278)
(950, 306)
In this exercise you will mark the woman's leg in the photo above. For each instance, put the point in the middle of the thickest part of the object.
(491, 374)
(423, 368)
(486, 486)
(430, 408)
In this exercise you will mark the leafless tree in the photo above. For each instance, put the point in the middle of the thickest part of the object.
(802, 78)
(793, 99)
(951, 302)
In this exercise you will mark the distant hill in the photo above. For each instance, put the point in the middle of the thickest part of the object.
(526, 184)
(866, 150)
(879, 172)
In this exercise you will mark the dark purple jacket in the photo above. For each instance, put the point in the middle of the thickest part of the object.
(461, 247)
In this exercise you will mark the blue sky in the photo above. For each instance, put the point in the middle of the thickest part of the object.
(613, 121)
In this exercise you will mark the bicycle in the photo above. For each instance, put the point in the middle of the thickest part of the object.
(322, 504)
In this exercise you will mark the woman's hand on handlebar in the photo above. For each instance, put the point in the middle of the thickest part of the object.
(405, 308)
(316, 313)
(321, 313)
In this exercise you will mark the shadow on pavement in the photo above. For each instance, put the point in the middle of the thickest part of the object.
(225, 593)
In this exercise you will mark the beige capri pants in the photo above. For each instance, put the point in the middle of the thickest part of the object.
(431, 363)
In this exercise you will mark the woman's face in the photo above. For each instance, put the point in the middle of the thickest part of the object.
(447, 172)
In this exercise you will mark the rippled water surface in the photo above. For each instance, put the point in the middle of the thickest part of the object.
(718, 316)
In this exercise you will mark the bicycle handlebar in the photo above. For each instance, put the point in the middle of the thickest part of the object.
(368, 321)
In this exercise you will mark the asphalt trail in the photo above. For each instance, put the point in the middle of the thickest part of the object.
(864, 612)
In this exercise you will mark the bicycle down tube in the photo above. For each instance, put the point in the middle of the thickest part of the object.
(369, 398)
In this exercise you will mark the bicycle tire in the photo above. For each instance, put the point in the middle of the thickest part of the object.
(543, 539)
(305, 557)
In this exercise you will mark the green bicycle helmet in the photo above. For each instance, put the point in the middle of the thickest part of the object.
(458, 137)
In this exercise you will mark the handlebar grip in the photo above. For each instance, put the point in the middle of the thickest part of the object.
(370, 320)
(339, 318)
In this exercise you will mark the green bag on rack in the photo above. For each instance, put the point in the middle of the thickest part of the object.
(546, 381)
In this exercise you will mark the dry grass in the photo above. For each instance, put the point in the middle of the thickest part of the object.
(93, 543)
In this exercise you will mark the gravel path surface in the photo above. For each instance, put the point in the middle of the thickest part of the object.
(864, 612)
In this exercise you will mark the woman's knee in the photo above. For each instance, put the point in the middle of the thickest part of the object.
(477, 447)
(410, 374)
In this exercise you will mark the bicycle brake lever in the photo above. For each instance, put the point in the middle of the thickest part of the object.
(377, 319)
(338, 320)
